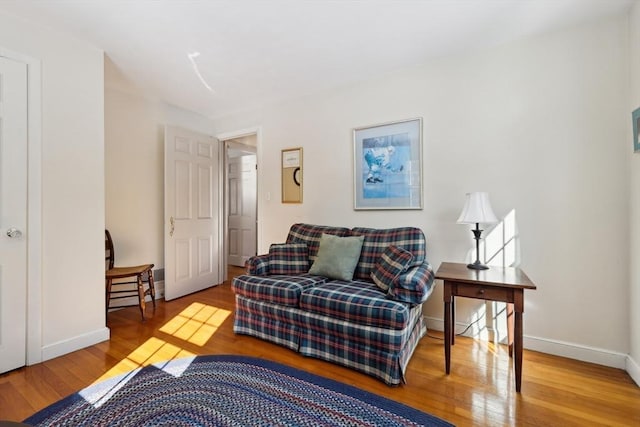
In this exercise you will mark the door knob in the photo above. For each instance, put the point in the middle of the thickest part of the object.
(14, 233)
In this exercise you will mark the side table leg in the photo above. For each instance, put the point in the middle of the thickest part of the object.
(518, 349)
(453, 320)
(510, 328)
(447, 336)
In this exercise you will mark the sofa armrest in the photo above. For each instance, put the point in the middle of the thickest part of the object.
(258, 265)
(413, 286)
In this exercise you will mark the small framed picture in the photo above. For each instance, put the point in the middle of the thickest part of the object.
(292, 175)
(388, 165)
(635, 118)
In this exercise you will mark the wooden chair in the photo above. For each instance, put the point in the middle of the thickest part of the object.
(124, 289)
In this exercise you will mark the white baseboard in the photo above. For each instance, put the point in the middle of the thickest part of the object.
(576, 351)
(633, 369)
(76, 343)
(560, 348)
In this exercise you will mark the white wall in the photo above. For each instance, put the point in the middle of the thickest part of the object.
(72, 185)
(633, 364)
(134, 163)
(540, 124)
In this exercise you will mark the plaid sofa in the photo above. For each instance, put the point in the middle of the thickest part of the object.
(353, 323)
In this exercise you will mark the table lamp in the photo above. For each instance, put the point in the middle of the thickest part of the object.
(477, 210)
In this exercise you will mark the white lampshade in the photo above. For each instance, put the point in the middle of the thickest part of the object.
(477, 209)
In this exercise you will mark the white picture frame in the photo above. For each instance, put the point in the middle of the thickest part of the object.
(388, 165)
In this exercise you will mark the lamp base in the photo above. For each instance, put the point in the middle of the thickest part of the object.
(477, 266)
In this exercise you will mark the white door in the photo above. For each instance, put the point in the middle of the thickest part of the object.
(13, 214)
(191, 212)
(242, 187)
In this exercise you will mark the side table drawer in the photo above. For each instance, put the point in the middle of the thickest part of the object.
(483, 292)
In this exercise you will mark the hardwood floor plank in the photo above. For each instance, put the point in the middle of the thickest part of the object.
(13, 404)
(479, 391)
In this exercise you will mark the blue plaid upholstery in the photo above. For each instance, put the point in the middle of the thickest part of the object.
(392, 262)
(270, 322)
(389, 366)
(310, 234)
(356, 346)
(414, 286)
(419, 331)
(387, 339)
(258, 265)
(288, 258)
(358, 302)
(279, 289)
(352, 323)
(376, 241)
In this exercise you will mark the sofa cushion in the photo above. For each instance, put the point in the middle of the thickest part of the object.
(358, 302)
(310, 234)
(278, 289)
(288, 258)
(337, 257)
(377, 240)
(393, 261)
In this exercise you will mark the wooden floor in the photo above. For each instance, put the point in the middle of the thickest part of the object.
(480, 390)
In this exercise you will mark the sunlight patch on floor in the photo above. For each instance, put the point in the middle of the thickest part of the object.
(197, 323)
(154, 350)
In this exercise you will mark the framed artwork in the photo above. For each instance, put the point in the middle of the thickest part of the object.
(635, 118)
(387, 171)
(292, 175)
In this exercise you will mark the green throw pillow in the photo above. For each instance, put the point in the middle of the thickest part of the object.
(337, 256)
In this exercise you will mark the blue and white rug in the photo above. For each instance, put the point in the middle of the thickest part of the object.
(226, 391)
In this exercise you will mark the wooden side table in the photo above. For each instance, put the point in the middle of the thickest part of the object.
(504, 284)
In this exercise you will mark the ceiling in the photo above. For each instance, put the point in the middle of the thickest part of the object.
(218, 57)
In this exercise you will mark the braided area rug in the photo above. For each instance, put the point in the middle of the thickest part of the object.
(226, 391)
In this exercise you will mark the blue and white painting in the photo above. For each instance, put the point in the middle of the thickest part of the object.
(384, 172)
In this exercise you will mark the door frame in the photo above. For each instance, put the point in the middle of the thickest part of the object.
(228, 144)
(34, 203)
(224, 231)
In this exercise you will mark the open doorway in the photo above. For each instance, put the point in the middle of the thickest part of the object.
(241, 207)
